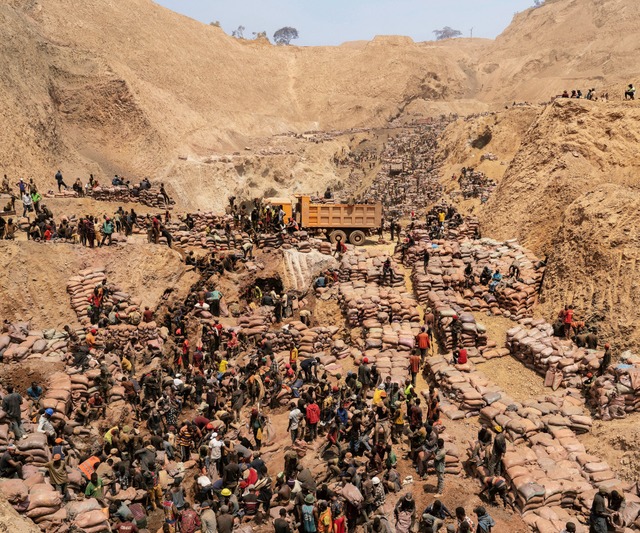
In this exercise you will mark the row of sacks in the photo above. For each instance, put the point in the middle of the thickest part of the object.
(559, 360)
(469, 390)
(369, 305)
(549, 466)
(120, 193)
(616, 392)
(18, 342)
(552, 519)
(367, 266)
(309, 341)
(83, 384)
(555, 469)
(258, 322)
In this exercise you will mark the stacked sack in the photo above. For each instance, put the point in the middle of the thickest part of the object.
(82, 286)
(120, 193)
(256, 323)
(58, 394)
(559, 360)
(19, 342)
(617, 392)
(366, 265)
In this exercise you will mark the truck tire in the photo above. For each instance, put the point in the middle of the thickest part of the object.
(357, 238)
(333, 236)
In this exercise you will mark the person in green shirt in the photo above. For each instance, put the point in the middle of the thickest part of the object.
(94, 488)
(57, 469)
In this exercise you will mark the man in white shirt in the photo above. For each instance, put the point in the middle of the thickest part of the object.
(295, 416)
(215, 453)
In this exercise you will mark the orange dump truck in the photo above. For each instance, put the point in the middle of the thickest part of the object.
(351, 223)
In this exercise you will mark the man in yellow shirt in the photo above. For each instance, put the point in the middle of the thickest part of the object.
(293, 357)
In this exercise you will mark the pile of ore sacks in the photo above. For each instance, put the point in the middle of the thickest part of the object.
(257, 322)
(559, 360)
(514, 298)
(366, 266)
(617, 392)
(19, 342)
(32, 495)
(388, 315)
(81, 287)
(545, 464)
(120, 193)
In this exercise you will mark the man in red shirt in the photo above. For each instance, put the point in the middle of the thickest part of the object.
(313, 417)
(423, 342)
(460, 356)
(568, 319)
(414, 367)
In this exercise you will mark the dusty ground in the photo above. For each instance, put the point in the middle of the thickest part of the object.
(36, 285)
(516, 379)
(497, 327)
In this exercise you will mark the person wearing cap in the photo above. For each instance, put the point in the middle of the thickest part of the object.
(45, 426)
(364, 376)
(485, 522)
(208, 518)
(11, 462)
(497, 452)
(599, 513)
(215, 453)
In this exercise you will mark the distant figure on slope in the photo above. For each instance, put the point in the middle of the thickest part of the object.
(630, 93)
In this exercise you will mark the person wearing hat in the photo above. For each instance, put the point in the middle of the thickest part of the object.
(405, 511)
(485, 522)
(497, 452)
(309, 514)
(599, 512)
